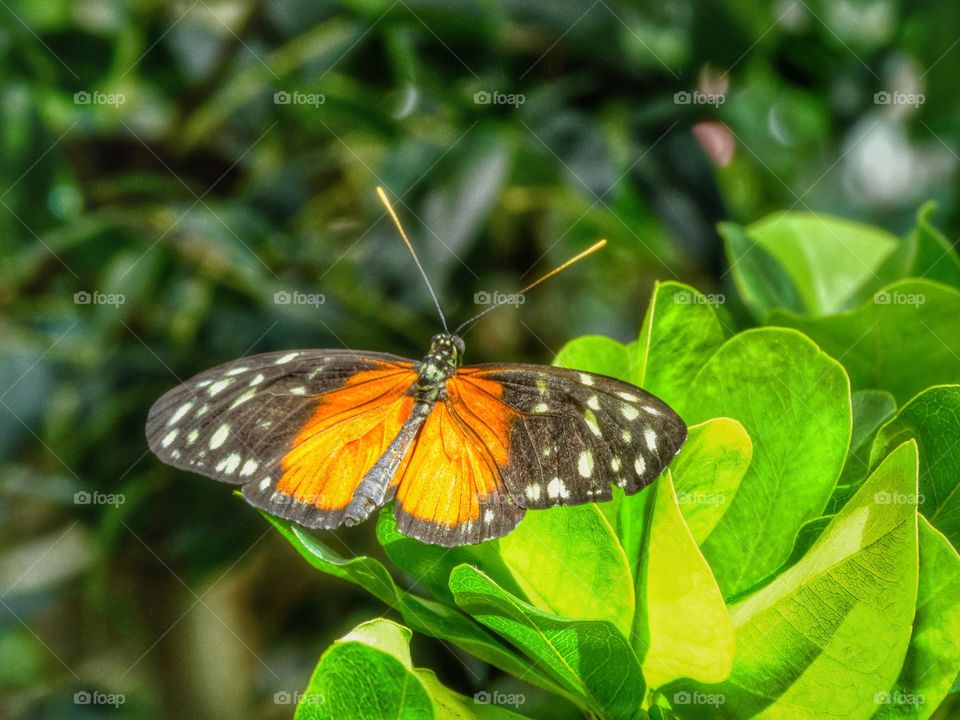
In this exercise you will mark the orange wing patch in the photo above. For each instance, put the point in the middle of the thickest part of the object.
(350, 428)
(449, 486)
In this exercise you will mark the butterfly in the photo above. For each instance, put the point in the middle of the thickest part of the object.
(325, 437)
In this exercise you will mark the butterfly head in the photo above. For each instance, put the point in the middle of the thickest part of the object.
(445, 356)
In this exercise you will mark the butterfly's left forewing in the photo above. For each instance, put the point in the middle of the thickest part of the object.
(296, 429)
(575, 435)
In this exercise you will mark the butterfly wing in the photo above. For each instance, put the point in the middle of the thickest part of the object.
(450, 489)
(572, 435)
(296, 429)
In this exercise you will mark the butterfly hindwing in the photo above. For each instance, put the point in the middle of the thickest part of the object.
(257, 422)
(578, 434)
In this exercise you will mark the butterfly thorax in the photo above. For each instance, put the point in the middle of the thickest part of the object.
(439, 364)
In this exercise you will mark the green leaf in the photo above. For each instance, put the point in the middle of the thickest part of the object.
(366, 674)
(933, 419)
(933, 657)
(880, 341)
(586, 574)
(761, 281)
(576, 653)
(794, 401)
(425, 616)
(835, 627)
(683, 627)
(430, 565)
(680, 332)
(924, 253)
(827, 259)
(871, 409)
(596, 354)
(708, 472)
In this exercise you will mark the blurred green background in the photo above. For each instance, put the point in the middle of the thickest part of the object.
(184, 183)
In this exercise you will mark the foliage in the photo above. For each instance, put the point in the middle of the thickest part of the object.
(746, 581)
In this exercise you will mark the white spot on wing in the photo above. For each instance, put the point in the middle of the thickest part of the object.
(220, 436)
(243, 398)
(629, 412)
(257, 380)
(615, 464)
(489, 516)
(287, 358)
(264, 484)
(586, 379)
(627, 436)
(249, 467)
(629, 397)
(219, 386)
(593, 403)
(181, 411)
(651, 410)
(532, 492)
(585, 464)
(541, 408)
(651, 439)
(640, 465)
(192, 436)
(591, 421)
(556, 489)
(299, 390)
(237, 371)
(169, 438)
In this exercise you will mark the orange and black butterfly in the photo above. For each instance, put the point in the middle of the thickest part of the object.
(325, 437)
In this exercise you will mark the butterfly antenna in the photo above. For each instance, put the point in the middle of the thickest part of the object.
(560, 268)
(396, 221)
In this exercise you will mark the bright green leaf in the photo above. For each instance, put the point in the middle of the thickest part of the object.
(683, 627)
(794, 401)
(708, 472)
(933, 658)
(933, 419)
(879, 343)
(828, 259)
(596, 354)
(586, 576)
(833, 630)
(577, 653)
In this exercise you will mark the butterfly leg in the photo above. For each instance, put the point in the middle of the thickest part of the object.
(373, 488)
